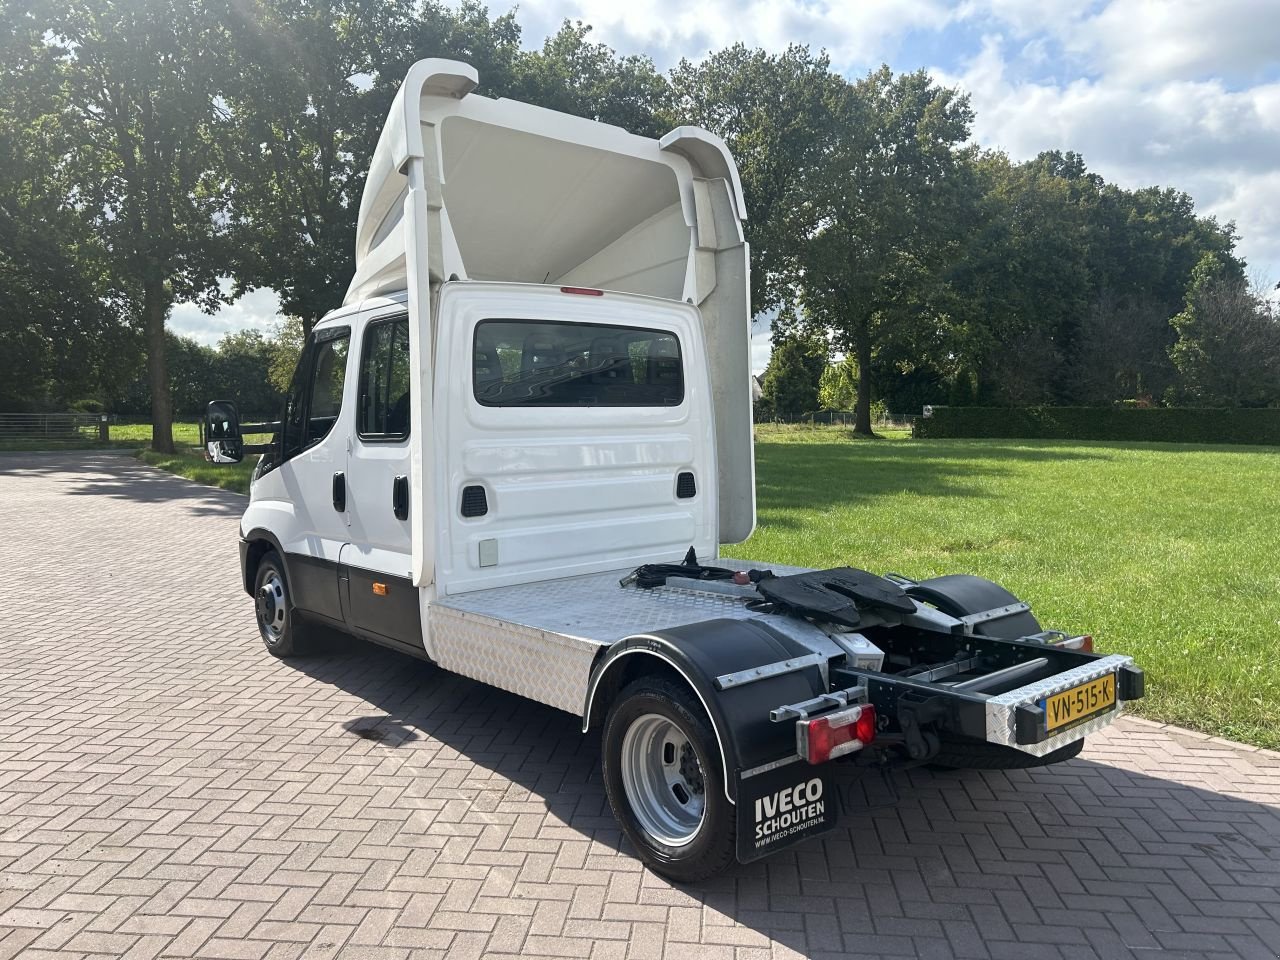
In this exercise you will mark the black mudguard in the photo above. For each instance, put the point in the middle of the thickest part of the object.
(701, 652)
(961, 594)
(781, 799)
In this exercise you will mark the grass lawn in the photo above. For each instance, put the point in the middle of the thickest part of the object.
(1170, 553)
(132, 434)
(190, 464)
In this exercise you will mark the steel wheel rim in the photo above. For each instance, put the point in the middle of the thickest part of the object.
(663, 779)
(271, 607)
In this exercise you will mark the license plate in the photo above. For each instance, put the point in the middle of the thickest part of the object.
(1066, 709)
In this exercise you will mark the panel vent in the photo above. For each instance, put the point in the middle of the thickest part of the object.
(474, 501)
(686, 488)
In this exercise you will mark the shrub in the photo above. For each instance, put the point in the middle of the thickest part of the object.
(1167, 424)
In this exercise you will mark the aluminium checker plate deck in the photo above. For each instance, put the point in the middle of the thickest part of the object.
(540, 639)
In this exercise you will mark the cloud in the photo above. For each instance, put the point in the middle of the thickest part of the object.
(856, 34)
(761, 343)
(1221, 145)
(1145, 41)
(256, 310)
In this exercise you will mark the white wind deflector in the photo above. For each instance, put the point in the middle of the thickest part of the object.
(465, 187)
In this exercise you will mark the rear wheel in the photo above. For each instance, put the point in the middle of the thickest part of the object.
(663, 776)
(279, 626)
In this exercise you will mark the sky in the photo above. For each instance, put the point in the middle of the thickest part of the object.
(1181, 93)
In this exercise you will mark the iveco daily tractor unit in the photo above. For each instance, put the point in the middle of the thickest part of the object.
(517, 449)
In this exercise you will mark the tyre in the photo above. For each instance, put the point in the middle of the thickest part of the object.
(281, 630)
(664, 778)
(978, 755)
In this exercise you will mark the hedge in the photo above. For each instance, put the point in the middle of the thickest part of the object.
(1167, 424)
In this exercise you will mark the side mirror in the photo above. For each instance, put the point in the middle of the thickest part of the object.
(222, 440)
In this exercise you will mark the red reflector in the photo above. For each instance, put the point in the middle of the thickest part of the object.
(836, 734)
(584, 291)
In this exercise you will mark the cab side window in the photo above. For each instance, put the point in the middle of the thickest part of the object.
(383, 411)
(328, 374)
(315, 394)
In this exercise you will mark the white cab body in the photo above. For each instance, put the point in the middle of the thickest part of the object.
(470, 420)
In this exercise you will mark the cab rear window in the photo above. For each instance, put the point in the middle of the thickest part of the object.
(552, 363)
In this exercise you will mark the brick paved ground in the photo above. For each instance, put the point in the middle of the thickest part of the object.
(168, 789)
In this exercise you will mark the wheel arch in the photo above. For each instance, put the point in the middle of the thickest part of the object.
(695, 655)
(257, 544)
(963, 594)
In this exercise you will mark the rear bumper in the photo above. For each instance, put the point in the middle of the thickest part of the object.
(1016, 718)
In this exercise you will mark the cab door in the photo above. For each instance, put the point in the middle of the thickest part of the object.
(382, 602)
(310, 480)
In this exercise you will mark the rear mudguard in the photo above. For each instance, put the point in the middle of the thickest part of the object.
(962, 594)
(739, 715)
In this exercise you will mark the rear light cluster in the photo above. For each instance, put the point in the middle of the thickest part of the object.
(836, 734)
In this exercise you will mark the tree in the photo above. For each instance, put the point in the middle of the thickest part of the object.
(286, 349)
(304, 115)
(791, 380)
(1228, 348)
(576, 76)
(774, 112)
(242, 370)
(883, 214)
(59, 312)
(1062, 290)
(54, 321)
(838, 387)
(142, 86)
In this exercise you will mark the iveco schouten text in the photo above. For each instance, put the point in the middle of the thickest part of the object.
(517, 449)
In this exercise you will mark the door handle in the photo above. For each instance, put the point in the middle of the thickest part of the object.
(400, 498)
(340, 492)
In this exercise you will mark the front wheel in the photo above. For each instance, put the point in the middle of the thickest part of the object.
(664, 778)
(278, 624)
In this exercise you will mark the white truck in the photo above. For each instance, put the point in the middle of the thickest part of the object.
(517, 449)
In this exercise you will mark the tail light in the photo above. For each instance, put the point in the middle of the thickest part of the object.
(835, 734)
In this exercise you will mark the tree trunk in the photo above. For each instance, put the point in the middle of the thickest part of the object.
(155, 307)
(862, 350)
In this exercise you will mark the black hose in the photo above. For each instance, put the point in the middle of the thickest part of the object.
(652, 575)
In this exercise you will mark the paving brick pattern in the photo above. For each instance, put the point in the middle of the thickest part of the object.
(168, 789)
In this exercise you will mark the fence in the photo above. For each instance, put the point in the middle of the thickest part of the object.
(841, 418)
(54, 427)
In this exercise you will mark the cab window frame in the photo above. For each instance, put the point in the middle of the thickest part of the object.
(282, 452)
(623, 329)
(323, 337)
(401, 316)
